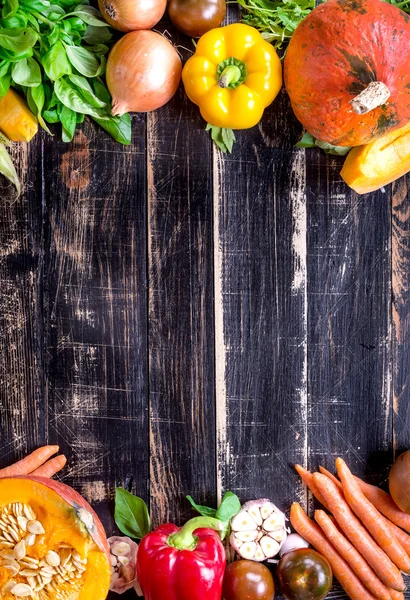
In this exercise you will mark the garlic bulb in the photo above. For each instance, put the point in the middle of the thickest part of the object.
(258, 530)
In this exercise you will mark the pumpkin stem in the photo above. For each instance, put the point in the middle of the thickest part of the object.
(376, 94)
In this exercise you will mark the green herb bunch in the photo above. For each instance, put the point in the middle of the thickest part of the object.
(278, 19)
(55, 53)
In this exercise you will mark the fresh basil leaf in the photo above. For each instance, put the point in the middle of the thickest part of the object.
(307, 141)
(54, 36)
(26, 72)
(102, 92)
(19, 20)
(69, 122)
(54, 9)
(98, 49)
(56, 63)
(71, 97)
(205, 511)
(86, 91)
(97, 35)
(17, 40)
(131, 514)
(89, 15)
(5, 78)
(51, 116)
(36, 100)
(330, 149)
(223, 138)
(15, 56)
(7, 168)
(119, 128)
(80, 118)
(84, 61)
(10, 8)
(229, 507)
(34, 5)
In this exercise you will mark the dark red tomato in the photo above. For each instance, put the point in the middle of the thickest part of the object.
(247, 580)
(304, 574)
(196, 17)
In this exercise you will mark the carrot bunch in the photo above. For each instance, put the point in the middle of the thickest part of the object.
(39, 464)
(364, 538)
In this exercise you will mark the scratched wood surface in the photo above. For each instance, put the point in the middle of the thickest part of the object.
(184, 322)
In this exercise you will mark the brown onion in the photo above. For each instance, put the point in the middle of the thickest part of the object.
(130, 15)
(143, 72)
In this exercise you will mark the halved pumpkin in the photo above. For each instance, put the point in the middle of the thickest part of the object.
(368, 168)
(52, 544)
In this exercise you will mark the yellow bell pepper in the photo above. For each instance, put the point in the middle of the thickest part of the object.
(17, 121)
(233, 76)
(368, 168)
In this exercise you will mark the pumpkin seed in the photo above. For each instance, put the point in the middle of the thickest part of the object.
(22, 523)
(20, 550)
(31, 580)
(6, 544)
(28, 573)
(53, 558)
(30, 560)
(35, 527)
(65, 556)
(48, 570)
(13, 531)
(30, 539)
(7, 554)
(7, 587)
(8, 537)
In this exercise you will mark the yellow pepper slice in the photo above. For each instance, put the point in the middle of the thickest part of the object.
(233, 76)
(17, 121)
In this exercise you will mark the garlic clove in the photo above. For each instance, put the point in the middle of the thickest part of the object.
(243, 522)
(248, 550)
(123, 560)
(247, 536)
(121, 549)
(274, 522)
(269, 546)
(256, 514)
(259, 554)
(267, 509)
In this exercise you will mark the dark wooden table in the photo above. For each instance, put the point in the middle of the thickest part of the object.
(184, 322)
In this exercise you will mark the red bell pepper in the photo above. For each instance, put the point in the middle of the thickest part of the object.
(182, 564)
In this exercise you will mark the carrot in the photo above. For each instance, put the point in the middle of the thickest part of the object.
(358, 535)
(399, 534)
(341, 570)
(371, 518)
(331, 476)
(51, 467)
(396, 595)
(352, 556)
(307, 479)
(30, 463)
(385, 504)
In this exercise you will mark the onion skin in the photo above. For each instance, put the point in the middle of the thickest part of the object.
(143, 72)
(132, 15)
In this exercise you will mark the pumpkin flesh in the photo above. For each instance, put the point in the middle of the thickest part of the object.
(370, 167)
(335, 53)
(83, 571)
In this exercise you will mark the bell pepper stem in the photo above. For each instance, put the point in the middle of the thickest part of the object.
(185, 539)
(230, 75)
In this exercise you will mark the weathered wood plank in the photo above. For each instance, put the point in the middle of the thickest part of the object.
(181, 355)
(22, 404)
(350, 409)
(260, 254)
(95, 312)
(401, 313)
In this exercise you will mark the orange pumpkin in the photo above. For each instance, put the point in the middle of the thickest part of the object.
(347, 71)
(52, 544)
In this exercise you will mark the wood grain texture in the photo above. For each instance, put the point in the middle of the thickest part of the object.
(349, 287)
(260, 275)
(22, 402)
(95, 312)
(401, 312)
(181, 355)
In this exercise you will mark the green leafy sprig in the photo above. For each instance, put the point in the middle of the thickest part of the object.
(131, 514)
(229, 507)
(55, 53)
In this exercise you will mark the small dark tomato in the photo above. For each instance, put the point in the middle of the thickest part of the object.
(248, 580)
(304, 574)
(196, 17)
